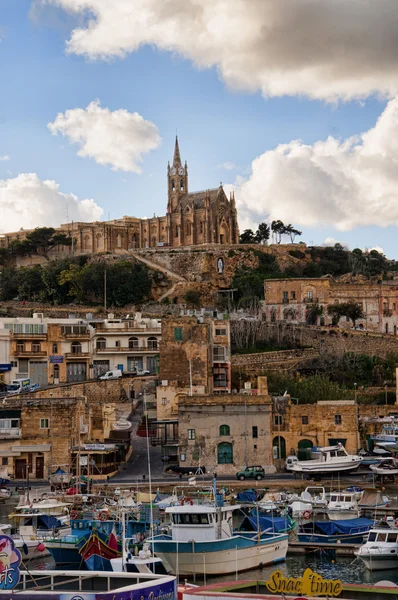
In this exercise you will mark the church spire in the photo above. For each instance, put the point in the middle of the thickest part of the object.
(177, 157)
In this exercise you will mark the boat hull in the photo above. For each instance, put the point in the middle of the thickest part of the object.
(220, 557)
(352, 538)
(379, 562)
(322, 469)
(65, 553)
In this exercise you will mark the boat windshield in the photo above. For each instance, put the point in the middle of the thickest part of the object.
(190, 519)
(372, 536)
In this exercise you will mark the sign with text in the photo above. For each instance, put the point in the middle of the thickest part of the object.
(310, 584)
(164, 591)
(10, 559)
(56, 359)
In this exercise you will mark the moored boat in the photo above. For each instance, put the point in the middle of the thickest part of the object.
(347, 531)
(333, 459)
(203, 541)
(380, 551)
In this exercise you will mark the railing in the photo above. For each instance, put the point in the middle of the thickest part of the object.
(30, 353)
(128, 349)
(29, 336)
(10, 432)
(126, 329)
(77, 354)
(77, 336)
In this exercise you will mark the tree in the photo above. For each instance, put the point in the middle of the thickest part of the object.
(193, 298)
(313, 311)
(30, 283)
(278, 228)
(42, 239)
(263, 233)
(292, 232)
(352, 310)
(247, 237)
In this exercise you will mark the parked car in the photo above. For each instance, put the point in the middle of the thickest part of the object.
(251, 473)
(114, 374)
(142, 372)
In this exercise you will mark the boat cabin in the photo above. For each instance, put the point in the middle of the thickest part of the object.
(200, 522)
(383, 535)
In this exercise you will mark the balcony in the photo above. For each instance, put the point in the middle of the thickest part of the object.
(10, 433)
(124, 328)
(32, 353)
(76, 336)
(285, 300)
(28, 336)
(311, 300)
(77, 355)
(127, 349)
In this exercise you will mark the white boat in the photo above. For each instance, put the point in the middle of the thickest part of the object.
(311, 500)
(343, 505)
(372, 498)
(333, 459)
(44, 517)
(385, 467)
(203, 541)
(388, 435)
(380, 551)
(144, 562)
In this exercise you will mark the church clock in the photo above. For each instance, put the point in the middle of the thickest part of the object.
(181, 171)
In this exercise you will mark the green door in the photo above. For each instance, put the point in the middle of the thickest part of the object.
(225, 454)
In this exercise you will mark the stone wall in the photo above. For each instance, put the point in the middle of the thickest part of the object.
(283, 360)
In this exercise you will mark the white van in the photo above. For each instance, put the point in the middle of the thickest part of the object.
(115, 374)
(20, 385)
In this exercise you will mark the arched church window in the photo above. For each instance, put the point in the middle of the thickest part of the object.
(176, 230)
(173, 185)
(188, 228)
(201, 227)
(181, 184)
(118, 241)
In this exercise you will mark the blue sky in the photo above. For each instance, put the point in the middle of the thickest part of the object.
(216, 125)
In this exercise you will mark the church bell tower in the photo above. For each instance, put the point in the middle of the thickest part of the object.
(177, 176)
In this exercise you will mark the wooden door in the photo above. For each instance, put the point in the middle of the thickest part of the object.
(20, 468)
(39, 467)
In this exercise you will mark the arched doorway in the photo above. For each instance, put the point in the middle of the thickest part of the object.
(225, 454)
(304, 447)
(279, 447)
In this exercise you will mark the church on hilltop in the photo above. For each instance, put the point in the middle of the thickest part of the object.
(192, 218)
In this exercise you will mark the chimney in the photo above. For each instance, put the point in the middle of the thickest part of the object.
(262, 386)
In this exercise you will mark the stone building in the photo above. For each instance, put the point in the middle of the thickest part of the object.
(291, 300)
(195, 358)
(226, 432)
(204, 217)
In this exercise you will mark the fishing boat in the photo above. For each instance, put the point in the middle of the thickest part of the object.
(343, 505)
(312, 499)
(203, 541)
(98, 549)
(44, 517)
(333, 459)
(268, 523)
(347, 531)
(372, 498)
(380, 551)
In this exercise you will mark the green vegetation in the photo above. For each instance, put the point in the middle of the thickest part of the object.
(260, 237)
(250, 282)
(351, 310)
(193, 298)
(39, 241)
(76, 280)
(308, 390)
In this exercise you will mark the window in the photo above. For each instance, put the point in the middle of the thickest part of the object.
(337, 419)
(152, 343)
(176, 230)
(20, 347)
(4, 460)
(221, 332)
(133, 342)
(173, 185)
(225, 430)
(164, 401)
(219, 354)
(36, 347)
(191, 434)
(76, 348)
(178, 334)
(309, 295)
(100, 343)
(278, 420)
(118, 241)
(255, 447)
(117, 344)
(43, 423)
(55, 348)
(201, 227)
(285, 297)
(293, 295)
(56, 371)
(304, 420)
(220, 379)
(181, 184)
(255, 431)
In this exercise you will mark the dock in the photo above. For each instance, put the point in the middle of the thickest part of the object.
(296, 547)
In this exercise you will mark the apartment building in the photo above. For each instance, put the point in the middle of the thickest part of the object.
(47, 350)
(126, 344)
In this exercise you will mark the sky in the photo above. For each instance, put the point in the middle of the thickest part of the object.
(294, 106)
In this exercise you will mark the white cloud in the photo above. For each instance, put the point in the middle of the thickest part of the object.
(315, 48)
(28, 202)
(227, 165)
(117, 138)
(341, 183)
(4, 157)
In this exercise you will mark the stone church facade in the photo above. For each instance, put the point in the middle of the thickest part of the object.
(204, 217)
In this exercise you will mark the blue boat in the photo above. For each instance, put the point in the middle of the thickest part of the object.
(347, 531)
